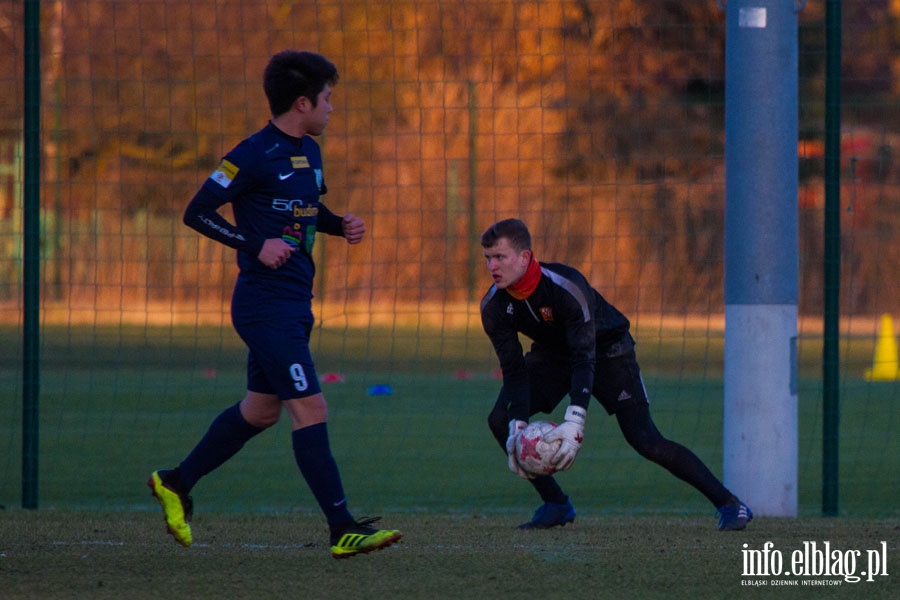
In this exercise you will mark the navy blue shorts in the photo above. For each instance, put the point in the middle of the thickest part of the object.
(279, 361)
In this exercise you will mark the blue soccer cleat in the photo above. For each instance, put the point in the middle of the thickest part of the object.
(551, 514)
(734, 516)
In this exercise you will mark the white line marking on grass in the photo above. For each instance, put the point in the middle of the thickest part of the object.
(87, 543)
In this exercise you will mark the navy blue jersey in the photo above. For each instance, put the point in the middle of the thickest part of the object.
(564, 317)
(273, 182)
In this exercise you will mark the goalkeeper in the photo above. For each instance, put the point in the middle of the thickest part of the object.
(581, 346)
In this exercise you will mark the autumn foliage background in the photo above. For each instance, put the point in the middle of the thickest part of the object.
(598, 122)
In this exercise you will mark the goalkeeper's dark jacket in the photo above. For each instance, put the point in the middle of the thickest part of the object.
(563, 315)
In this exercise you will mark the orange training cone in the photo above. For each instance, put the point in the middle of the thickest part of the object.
(885, 367)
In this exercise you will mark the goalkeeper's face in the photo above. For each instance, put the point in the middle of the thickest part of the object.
(506, 264)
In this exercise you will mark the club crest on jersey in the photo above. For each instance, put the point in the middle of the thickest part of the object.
(547, 314)
(225, 173)
(509, 309)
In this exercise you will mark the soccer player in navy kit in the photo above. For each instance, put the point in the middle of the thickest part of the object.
(273, 180)
(581, 347)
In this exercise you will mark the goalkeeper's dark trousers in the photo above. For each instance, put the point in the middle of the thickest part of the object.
(641, 433)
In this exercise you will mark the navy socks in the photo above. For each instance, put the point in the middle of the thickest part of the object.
(549, 490)
(226, 435)
(313, 454)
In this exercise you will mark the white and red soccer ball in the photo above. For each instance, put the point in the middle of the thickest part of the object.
(532, 453)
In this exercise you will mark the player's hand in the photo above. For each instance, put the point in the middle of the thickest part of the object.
(571, 434)
(275, 252)
(515, 427)
(353, 228)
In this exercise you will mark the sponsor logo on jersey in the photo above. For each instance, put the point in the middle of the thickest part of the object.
(291, 237)
(225, 173)
(297, 207)
(299, 162)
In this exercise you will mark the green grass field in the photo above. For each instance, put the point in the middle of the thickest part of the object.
(124, 554)
(117, 403)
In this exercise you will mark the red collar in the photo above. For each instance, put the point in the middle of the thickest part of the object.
(525, 286)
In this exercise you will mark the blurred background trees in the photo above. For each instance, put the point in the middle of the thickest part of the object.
(599, 123)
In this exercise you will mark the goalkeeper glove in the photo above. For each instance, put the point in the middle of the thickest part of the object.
(515, 428)
(571, 434)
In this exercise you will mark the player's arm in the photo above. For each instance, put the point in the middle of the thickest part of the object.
(349, 226)
(515, 387)
(512, 365)
(506, 344)
(231, 180)
(202, 215)
(581, 339)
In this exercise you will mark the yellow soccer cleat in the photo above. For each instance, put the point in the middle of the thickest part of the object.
(178, 509)
(359, 538)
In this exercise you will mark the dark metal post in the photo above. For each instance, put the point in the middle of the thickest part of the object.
(31, 265)
(832, 265)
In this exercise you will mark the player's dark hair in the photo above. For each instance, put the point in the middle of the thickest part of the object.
(513, 230)
(291, 74)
